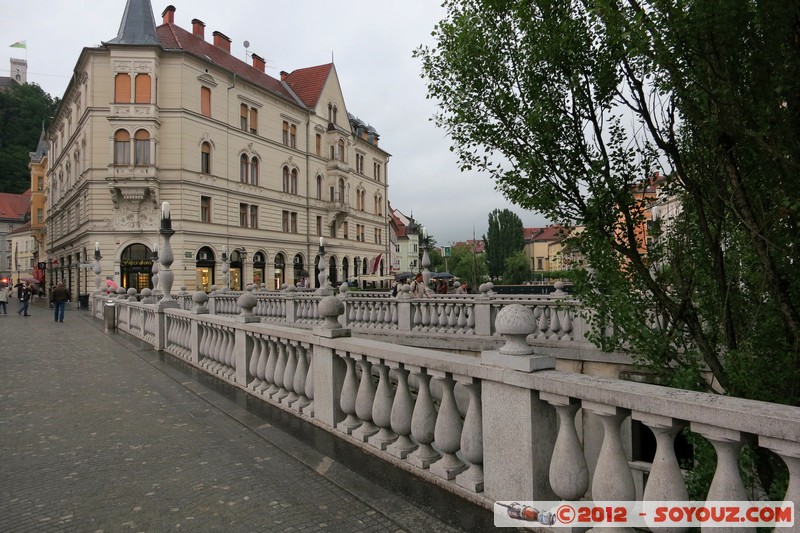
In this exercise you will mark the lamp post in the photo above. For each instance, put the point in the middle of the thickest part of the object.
(97, 269)
(357, 264)
(154, 268)
(226, 268)
(242, 274)
(166, 275)
(323, 270)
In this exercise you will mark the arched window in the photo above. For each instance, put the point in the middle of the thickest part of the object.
(122, 88)
(293, 184)
(142, 147)
(205, 158)
(122, 148)
(142, 95)
(285, 179)
(341, 198)
(340, 155)
(243, 166)
(254, 171)
(319, 187)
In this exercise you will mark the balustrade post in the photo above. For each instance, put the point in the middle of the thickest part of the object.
(423, 421)
(569, 474)
(402, 409)
(348, 397)
(665, 482)
(448, 430)
(242, 353)
(612, 479)
(382, 408)
(365, 398)
(515, 322)
(727, 484)
(790, 453)
(472, 437)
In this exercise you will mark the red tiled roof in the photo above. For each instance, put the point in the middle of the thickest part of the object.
(174, 37)
(548, 234)
(15, 206)
(477, 246)
(307, 83)
(22, 229)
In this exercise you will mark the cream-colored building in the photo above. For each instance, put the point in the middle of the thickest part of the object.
(253, 165)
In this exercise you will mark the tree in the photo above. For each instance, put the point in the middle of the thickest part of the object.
(24, 111)
(467, 266)
(572, 108)
(517, 269)
(505, 238)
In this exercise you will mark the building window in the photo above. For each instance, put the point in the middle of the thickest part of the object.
(142, 147)
(205, 158)
(319, 187)
(142, 95)
(540, 263)
(294, 222)
(340, 154)
(254, 120)
(285, 133)
(360, 163)
(378, 236)
(319, 145)
(345, 228)
(378, 205)
(293, 136)
(243, 211)
(254, 216)
(243, 113)
(244, 164)
(122, 148)
(205, 101)
(254, 171)
(376, 171)
(39, 215)
(332, 113)
(122, 89)
(289, 221)
(205, 209)
(293, 182)
(319, 225)
(285, 179)
(39, 183)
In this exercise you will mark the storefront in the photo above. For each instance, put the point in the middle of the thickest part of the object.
(259, 268)
(136, 267)
(204, 269)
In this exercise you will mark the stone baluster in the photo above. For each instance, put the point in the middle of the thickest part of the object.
(544, 322)
(252, 368)
(472, 438)
(300, 376)
(555, 323)
(416, 309)
(347, 400)
(423, 421)
(402, 409)
(447, 432)
(288, 375)
(665, 482)
(382, 408)
(269, 370)
(727, 484)
(280, 370)
(612, 479)
(309, 409)
(365, 398)
(261, 368)
(790, 453)
(569, 474)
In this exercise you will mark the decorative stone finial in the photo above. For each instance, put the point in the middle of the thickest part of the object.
(515, 322)
(199, 298)
(247, 303)
(331, 307)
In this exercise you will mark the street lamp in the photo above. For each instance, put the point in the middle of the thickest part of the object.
(154, 268)
(243, 255)
(226, 268)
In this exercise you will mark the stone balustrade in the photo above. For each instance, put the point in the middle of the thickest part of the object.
(505, 426)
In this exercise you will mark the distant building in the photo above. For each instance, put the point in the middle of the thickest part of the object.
(405, 257)
(547, 249)
(14, 213)
(18, 74)
(252, 166)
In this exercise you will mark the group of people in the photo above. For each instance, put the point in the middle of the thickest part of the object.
(59, 296)
(419, 290)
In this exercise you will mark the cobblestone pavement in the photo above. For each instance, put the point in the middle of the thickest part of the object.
(100, 433)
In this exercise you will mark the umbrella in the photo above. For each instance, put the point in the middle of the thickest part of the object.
(111, 283)
(31, 280)
(403, 276)
(442, 275)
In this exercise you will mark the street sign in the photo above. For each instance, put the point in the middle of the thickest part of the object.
(446, 251)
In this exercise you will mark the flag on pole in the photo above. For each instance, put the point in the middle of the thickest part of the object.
(375, 264)
(19, 44)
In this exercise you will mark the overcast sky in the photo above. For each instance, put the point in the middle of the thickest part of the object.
(371, 43)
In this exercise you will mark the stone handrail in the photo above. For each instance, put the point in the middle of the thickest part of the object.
(505, 426)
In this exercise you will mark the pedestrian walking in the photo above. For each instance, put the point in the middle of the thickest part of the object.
(59, 298)
(460, 289)
(4, 299)
(24, 300)
(418, 287)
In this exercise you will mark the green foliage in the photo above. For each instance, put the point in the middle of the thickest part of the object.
(468, 267)
(505, 238)
(572, 108)
(518, 269)
(24, 111)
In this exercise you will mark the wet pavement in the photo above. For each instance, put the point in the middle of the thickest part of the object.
(100, 433)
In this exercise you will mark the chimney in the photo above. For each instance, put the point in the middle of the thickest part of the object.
(259, 63)
(169, 15)
(199, 28)
(222, 42)
(284, 75)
